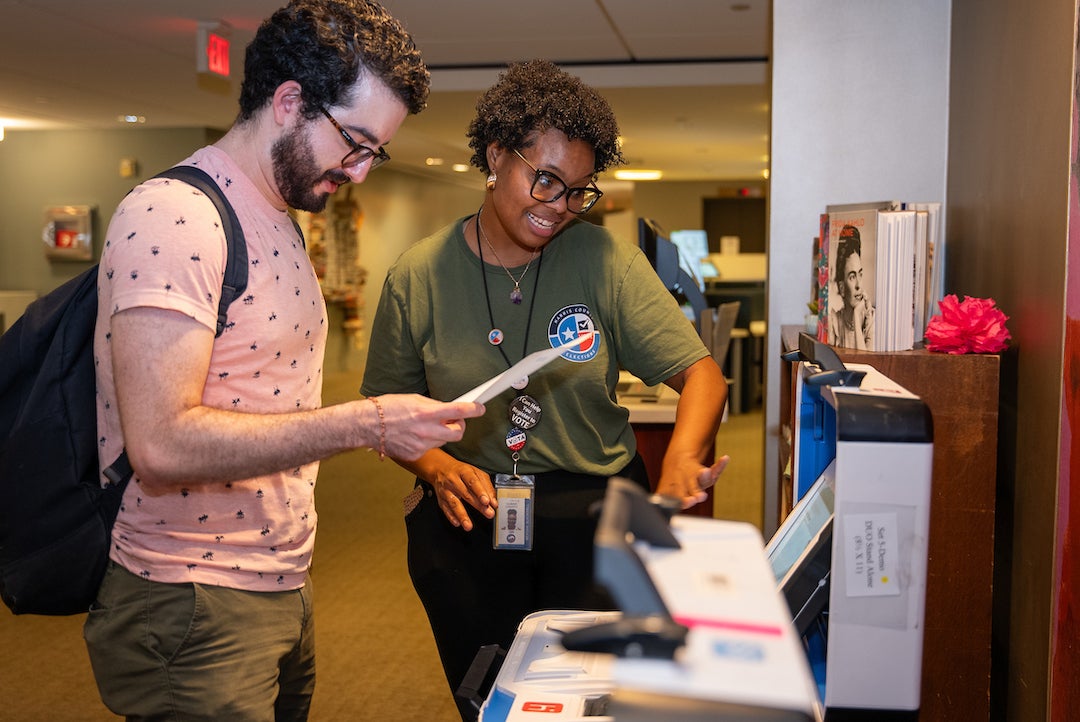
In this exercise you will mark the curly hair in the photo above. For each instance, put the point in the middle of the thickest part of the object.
(325, 46)
(535, 96)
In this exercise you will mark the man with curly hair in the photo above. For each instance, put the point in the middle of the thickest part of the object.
(205, 611)
(499, 522)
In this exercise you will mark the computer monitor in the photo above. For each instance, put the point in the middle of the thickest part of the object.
(693, 248)
(662, 253)
(664, 257)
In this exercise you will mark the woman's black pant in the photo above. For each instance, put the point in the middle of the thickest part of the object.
(475, 595)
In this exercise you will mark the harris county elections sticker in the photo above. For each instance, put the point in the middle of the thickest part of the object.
(567, 324)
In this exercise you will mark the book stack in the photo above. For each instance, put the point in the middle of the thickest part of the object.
(880, 273)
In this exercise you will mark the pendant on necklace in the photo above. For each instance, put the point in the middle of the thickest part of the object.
(515, 295)
(495, 336)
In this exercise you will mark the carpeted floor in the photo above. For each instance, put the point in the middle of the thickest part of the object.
(377, 659)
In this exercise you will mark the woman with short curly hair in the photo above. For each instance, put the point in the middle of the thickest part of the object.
(537, 96)
(499, 523)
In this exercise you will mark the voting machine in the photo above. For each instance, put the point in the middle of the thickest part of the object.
(702, 632)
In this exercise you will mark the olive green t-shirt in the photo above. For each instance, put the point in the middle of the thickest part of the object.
(431, 329)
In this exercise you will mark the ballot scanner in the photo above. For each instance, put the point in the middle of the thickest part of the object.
(823, 623)
(702, 632)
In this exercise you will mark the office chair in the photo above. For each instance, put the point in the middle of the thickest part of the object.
(716, 325)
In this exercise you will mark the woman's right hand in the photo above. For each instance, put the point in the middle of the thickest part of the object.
(456, 484)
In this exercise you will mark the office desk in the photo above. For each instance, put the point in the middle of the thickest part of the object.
(741, 277)
(749, 293)
(653, 421)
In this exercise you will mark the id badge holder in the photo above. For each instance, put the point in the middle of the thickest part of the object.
(513, 528)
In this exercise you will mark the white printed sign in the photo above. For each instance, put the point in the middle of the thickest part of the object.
(872, 551)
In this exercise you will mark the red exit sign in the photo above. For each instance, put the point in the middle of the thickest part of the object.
(212, 51)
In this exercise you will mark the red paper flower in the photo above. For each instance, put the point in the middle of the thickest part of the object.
(973, 325)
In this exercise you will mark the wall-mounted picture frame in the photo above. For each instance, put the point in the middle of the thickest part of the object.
(68, 234)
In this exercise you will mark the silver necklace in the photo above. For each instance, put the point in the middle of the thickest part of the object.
(515, 294)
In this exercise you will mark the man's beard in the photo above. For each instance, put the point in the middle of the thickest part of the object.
(297, 174)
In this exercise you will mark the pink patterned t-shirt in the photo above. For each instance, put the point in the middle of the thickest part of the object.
(165, 248)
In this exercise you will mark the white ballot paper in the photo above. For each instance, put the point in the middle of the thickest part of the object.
(520, 371)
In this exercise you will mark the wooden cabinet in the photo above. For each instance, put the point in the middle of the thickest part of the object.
(652, 442)
(962, 393)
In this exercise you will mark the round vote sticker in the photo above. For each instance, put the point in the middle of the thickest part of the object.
(524, 412)
(515, 439)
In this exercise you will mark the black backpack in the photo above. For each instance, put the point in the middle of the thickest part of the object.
(55, 518)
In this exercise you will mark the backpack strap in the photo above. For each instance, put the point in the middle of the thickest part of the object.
(236, 263)
(120, 470)
(299, 232)
(236, 271)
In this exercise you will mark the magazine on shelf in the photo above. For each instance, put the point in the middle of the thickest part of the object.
(889, 286)
(850, 317)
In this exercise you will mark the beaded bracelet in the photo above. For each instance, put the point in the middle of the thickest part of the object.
(382, 428)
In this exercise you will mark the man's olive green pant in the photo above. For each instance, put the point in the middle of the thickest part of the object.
(198, 652)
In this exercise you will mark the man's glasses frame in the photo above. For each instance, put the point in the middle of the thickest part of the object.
(359, 154)
(548, 188)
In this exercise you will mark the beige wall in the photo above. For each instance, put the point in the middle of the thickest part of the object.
(400, 209)
(45, 168)
(680, 204)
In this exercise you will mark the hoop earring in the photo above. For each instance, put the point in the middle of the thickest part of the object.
(490, 185)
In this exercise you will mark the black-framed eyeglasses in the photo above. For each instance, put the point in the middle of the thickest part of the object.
(359, 154)
(548, 188)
